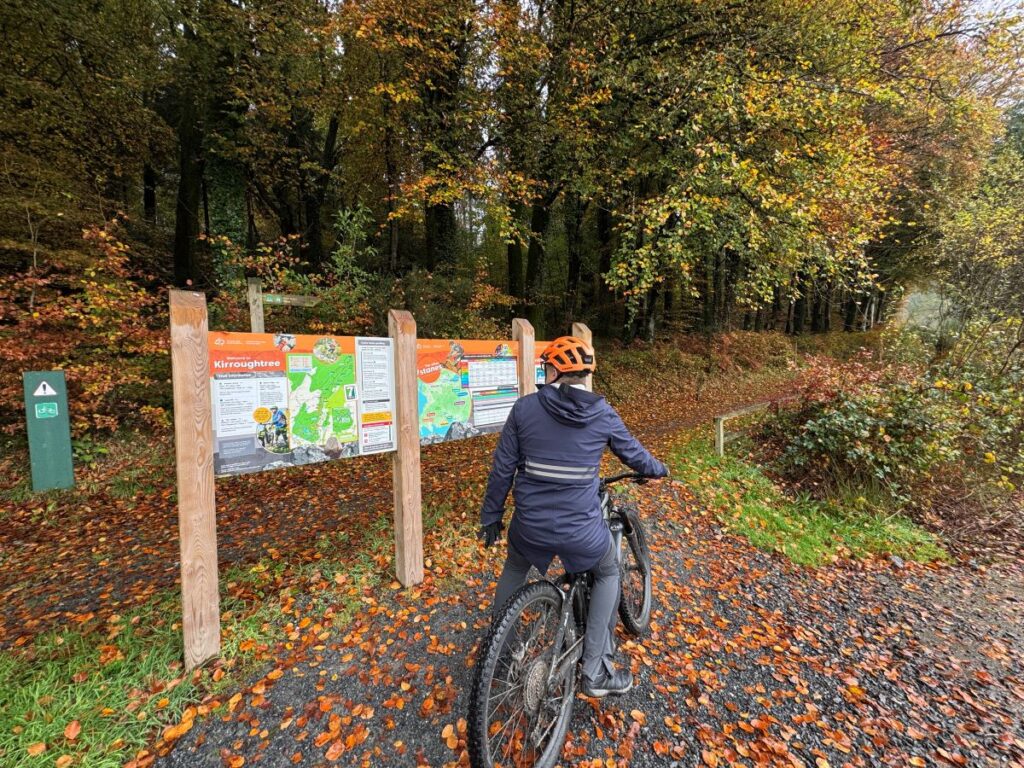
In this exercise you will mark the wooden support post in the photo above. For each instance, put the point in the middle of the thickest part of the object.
(408, 500)
(193, 446)
(581, 331)
(255, 305)
(522, 332)
(720, 436)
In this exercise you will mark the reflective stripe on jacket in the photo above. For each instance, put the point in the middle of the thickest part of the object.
(551, 447)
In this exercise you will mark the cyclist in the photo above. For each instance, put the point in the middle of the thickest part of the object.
(551, 446)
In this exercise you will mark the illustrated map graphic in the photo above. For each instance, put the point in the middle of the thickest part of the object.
(465, 387)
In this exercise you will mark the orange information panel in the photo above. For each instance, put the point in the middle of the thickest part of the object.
(466, 387)
(283, 400)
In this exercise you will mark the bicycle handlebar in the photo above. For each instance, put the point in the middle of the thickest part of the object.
(606, 481)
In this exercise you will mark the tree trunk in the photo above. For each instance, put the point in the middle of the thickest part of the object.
(540, 217)
(800, 307)
(315, 194)
(149, 193)
(708, 294)
(776, 311)
(190, 179)
(850, 313)
(574, 209)
(390, 178)
(651, 312)
(605, 298)
(668, 318)
(514, 254)
(731, 264)
(252, 235)
(314, 235)
(817, 309)
(721, 290)
(442, 234)
(864, 310)
(206, 208)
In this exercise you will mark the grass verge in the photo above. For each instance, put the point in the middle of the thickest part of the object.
(804, 529)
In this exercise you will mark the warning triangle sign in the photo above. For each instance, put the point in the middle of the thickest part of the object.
(44, 390)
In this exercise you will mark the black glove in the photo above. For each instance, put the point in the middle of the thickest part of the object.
(491, 534)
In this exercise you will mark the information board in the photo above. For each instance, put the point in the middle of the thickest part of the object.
(283, 400)
(465, 387)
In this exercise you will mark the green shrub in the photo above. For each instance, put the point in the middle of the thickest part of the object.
(902, 427)
(880, 436)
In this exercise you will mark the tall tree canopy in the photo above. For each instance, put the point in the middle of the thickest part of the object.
(703, 164)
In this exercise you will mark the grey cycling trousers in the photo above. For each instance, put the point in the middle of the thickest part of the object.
(599, 645)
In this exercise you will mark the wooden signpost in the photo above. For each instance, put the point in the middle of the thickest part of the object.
(582, 332)
(257, 299)
(194, 452)
(522, 332)
(255, 295)
(406, 460)
(197, 506)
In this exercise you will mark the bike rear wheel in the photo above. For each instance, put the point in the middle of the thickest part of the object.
(635, 576)
(515, 719)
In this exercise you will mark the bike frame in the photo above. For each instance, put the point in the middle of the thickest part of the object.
(576, 600)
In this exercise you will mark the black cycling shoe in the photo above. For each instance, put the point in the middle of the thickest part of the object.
(617, 683)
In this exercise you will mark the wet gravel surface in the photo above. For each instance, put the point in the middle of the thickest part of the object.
(750, 661)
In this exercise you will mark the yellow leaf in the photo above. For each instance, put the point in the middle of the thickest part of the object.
(37, 749)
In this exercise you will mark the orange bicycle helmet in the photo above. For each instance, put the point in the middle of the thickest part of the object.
(569, 355)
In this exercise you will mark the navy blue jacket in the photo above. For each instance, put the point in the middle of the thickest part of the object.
(551, 445)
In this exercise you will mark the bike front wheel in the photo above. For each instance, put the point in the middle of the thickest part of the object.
(519, 709)
(635, 576)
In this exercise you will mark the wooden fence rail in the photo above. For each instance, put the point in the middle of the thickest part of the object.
(722, 437)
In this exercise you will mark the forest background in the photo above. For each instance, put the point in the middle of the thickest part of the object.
(691, 178)
(643, 166)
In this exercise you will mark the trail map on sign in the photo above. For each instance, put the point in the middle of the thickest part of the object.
(283, 400)
(465, 387)
(322, 396)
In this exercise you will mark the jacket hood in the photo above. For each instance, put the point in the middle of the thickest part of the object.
(570, 406)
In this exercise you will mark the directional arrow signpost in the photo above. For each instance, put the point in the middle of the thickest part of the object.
(49, 429)
(257, 299)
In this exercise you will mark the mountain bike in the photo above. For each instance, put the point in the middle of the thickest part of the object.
(528, 669)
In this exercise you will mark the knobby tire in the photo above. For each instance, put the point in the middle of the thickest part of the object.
(494, 652)
(635, 559)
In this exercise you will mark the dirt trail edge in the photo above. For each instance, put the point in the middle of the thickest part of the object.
(750, 660)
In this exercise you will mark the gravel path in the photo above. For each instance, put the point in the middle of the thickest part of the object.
(750, 661)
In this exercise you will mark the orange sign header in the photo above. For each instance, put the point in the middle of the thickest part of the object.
(265, 352)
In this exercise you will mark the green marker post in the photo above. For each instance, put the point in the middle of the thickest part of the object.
(49, 429)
